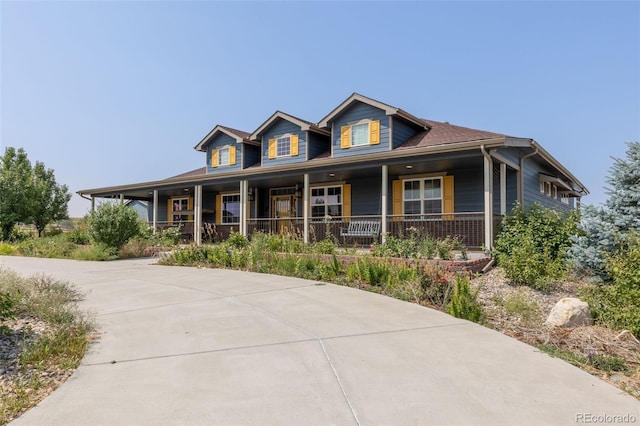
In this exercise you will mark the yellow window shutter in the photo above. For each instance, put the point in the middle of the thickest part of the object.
(374, 132)
(447, 197)
(170, 211)
(232, 155)
(345, 137)
(218, 209)
(190, 207)
(346, 202)
(214, 158)
(294, 144)
(248, 209)
(397, 200)
(272, 148)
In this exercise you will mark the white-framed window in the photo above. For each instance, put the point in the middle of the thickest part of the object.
(360, 134)
(564, 199)
(326, 201)
(224, 156)
(554, 192)
(422, 196)
(230, 208)
(178, 205)
(283, 146)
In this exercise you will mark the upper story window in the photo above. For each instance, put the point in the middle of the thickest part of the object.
(283, 146)
(422, 196)
(224, 156)
(326, 201)
(361, 133)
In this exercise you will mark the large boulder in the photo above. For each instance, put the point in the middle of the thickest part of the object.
(569, 312)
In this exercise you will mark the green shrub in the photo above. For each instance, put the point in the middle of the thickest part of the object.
(96, 252)
(6, 249)
(617, 304)
(113, 224)
(237, 241)
(435, 289)
(48, 247)
(533, 243)
(464, 302)
(7, 305)
(78, 236)
(370, 271)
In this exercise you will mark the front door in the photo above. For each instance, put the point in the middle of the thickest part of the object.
(283, 208)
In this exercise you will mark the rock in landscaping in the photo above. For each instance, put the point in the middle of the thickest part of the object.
(569, 312)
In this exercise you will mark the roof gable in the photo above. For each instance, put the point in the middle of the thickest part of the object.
(238, 135)
(388, 110)
(303, 124)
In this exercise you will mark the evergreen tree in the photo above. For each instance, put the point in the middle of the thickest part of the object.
(603, 228)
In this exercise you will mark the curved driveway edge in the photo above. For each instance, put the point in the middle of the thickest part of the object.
(189, 346)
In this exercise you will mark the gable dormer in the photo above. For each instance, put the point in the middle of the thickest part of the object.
(286, 139)
(364, 125)
(228, 150)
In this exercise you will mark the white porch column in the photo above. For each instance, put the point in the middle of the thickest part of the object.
(197, 215)
(121, 199)
(93, 204)
(155, 210)
(305, 207)
(503, 189)
(488, 200)
(383, 200)
(243, 207)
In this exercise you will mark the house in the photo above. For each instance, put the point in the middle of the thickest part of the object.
(365, 170)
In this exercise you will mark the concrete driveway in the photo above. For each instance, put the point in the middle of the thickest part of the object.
(195, 346)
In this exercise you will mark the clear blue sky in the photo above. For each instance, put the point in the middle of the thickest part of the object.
(109, 93)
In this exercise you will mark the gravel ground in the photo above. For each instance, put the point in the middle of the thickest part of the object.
(31, 382)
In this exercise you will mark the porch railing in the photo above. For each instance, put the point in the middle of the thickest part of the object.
(467, 227)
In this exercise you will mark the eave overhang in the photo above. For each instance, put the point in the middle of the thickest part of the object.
(388, 109)
(202, 145)
(304, 125)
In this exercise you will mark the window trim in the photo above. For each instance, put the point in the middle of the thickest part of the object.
(177, 213)
(222, 217)
(277, 138)
(226, 148)
(325, 204)
(367, 133)
(422, 199)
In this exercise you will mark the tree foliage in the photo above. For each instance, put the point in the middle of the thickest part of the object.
(113, 225)
(533, 243)
(49, 200)
(603, 228)
(29, 194)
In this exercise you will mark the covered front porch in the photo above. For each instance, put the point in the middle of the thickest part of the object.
(461, 194)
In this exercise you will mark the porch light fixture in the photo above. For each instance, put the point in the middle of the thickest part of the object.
(332, 174)
(408, 166)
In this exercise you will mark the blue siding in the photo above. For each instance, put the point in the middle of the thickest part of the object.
(468, 195)
(401, 131)
(278, 128)
(251, 155)
(365, 196)
(531, 183)
(356, 112)
(318, 144)
(218, 141)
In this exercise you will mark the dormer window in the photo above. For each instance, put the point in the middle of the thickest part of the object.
(283, 146)
(223, 156)
(361, 133)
